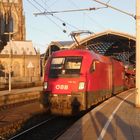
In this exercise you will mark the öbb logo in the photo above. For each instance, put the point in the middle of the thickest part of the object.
(64, 87)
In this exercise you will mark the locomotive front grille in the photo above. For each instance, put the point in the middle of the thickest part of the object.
(60, 101)
(67, 101)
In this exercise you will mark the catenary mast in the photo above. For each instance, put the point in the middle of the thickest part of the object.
(138, 53)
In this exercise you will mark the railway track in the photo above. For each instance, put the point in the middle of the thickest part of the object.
(49, 129)
(28, 121)
(13, 118)
(30, 129)
(37, 126)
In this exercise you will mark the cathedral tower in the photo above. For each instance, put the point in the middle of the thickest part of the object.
(11, 20)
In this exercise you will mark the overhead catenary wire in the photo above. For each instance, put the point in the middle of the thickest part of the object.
(46, 16)
(37, 29)
(63, 22)
(56, 16)
(52, 13)
(108, 1)
(114, 8)
(66, 11)
(91, 18)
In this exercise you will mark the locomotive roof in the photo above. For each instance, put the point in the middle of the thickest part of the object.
(81, 52)
(71, 52)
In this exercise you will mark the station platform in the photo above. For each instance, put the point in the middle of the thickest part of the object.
(115, 119)
(23, 90)
(19, 95)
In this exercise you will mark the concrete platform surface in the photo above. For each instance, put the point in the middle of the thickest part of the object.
(19, 95)
(115, 119)
(23, 90)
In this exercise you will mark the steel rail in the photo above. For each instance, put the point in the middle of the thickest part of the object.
(29, 129)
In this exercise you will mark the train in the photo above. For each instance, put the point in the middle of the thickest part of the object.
(75, 80)
(130, 75)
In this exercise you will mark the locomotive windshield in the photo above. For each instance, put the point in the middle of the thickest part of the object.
(64, 66)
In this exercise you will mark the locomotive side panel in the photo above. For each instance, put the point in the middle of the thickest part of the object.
(118, 76)
(99, 83)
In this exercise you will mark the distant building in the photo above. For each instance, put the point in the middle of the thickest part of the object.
(15, 51)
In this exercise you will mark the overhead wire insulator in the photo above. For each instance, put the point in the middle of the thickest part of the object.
(64, 24)
(64, 31)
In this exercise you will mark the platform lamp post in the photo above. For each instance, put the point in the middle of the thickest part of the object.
(10, 57)
(137, 102)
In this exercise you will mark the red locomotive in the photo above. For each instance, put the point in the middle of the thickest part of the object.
(77, 79)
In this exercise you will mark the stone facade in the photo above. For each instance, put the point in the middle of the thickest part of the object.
(16, 54)
(11, 20)
(23, 60)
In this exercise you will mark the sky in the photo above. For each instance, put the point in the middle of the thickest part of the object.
(43, 29)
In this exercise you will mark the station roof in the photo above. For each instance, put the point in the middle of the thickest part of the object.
(119, 45)
(55, 46)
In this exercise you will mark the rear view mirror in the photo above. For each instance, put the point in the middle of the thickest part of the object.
(94, 66)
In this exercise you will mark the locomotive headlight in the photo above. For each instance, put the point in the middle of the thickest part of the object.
(81, 85)
(45, 85)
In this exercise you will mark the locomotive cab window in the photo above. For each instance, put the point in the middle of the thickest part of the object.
(73, 65)
(57, 63)
(65, 65)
